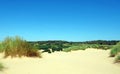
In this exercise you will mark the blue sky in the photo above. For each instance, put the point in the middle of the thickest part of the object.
(71, 20)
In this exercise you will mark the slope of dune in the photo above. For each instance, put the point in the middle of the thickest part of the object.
(90, 61)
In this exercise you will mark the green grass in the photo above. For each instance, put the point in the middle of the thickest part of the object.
(117, 59)
(17, 47)
(1, 47)
(97, 46)
(1, 67)
(115, 50)
(85, 46)
(74, 48)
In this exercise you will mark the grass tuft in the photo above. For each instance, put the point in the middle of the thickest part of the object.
(117, 59)
(17, 47)
(115, 50)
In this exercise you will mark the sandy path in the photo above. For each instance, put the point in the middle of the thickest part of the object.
(90, 61)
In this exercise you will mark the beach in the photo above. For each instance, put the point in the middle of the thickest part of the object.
(90, 61)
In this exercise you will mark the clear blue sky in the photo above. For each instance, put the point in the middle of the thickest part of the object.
(71, 20)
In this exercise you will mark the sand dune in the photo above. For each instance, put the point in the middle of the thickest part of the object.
(90, 61)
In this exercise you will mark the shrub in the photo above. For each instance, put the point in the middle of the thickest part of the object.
(1, 67)
(15, 46)
(56, 48)
(117, 59)
(115, 50)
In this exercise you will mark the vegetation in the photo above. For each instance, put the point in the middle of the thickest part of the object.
(1, 47)
(67, 46)
(48, 46)
(15, 46)
(102, 42)
(74, 48)
(1, 67)
(117, 59)
(19, 47)
(77, 47)
(85, 46)
(115, 50)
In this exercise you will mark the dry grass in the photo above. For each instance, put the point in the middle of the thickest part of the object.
(17, 47)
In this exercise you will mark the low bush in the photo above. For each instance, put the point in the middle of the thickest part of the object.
(56, 48)
(16, 46)
(115, 50)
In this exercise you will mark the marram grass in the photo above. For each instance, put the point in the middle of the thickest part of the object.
(117, 59)
(17, 47)
(115, 50)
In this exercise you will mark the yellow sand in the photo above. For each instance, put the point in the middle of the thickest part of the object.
(90, 61)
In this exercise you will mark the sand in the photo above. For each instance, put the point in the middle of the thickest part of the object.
(90, 61)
